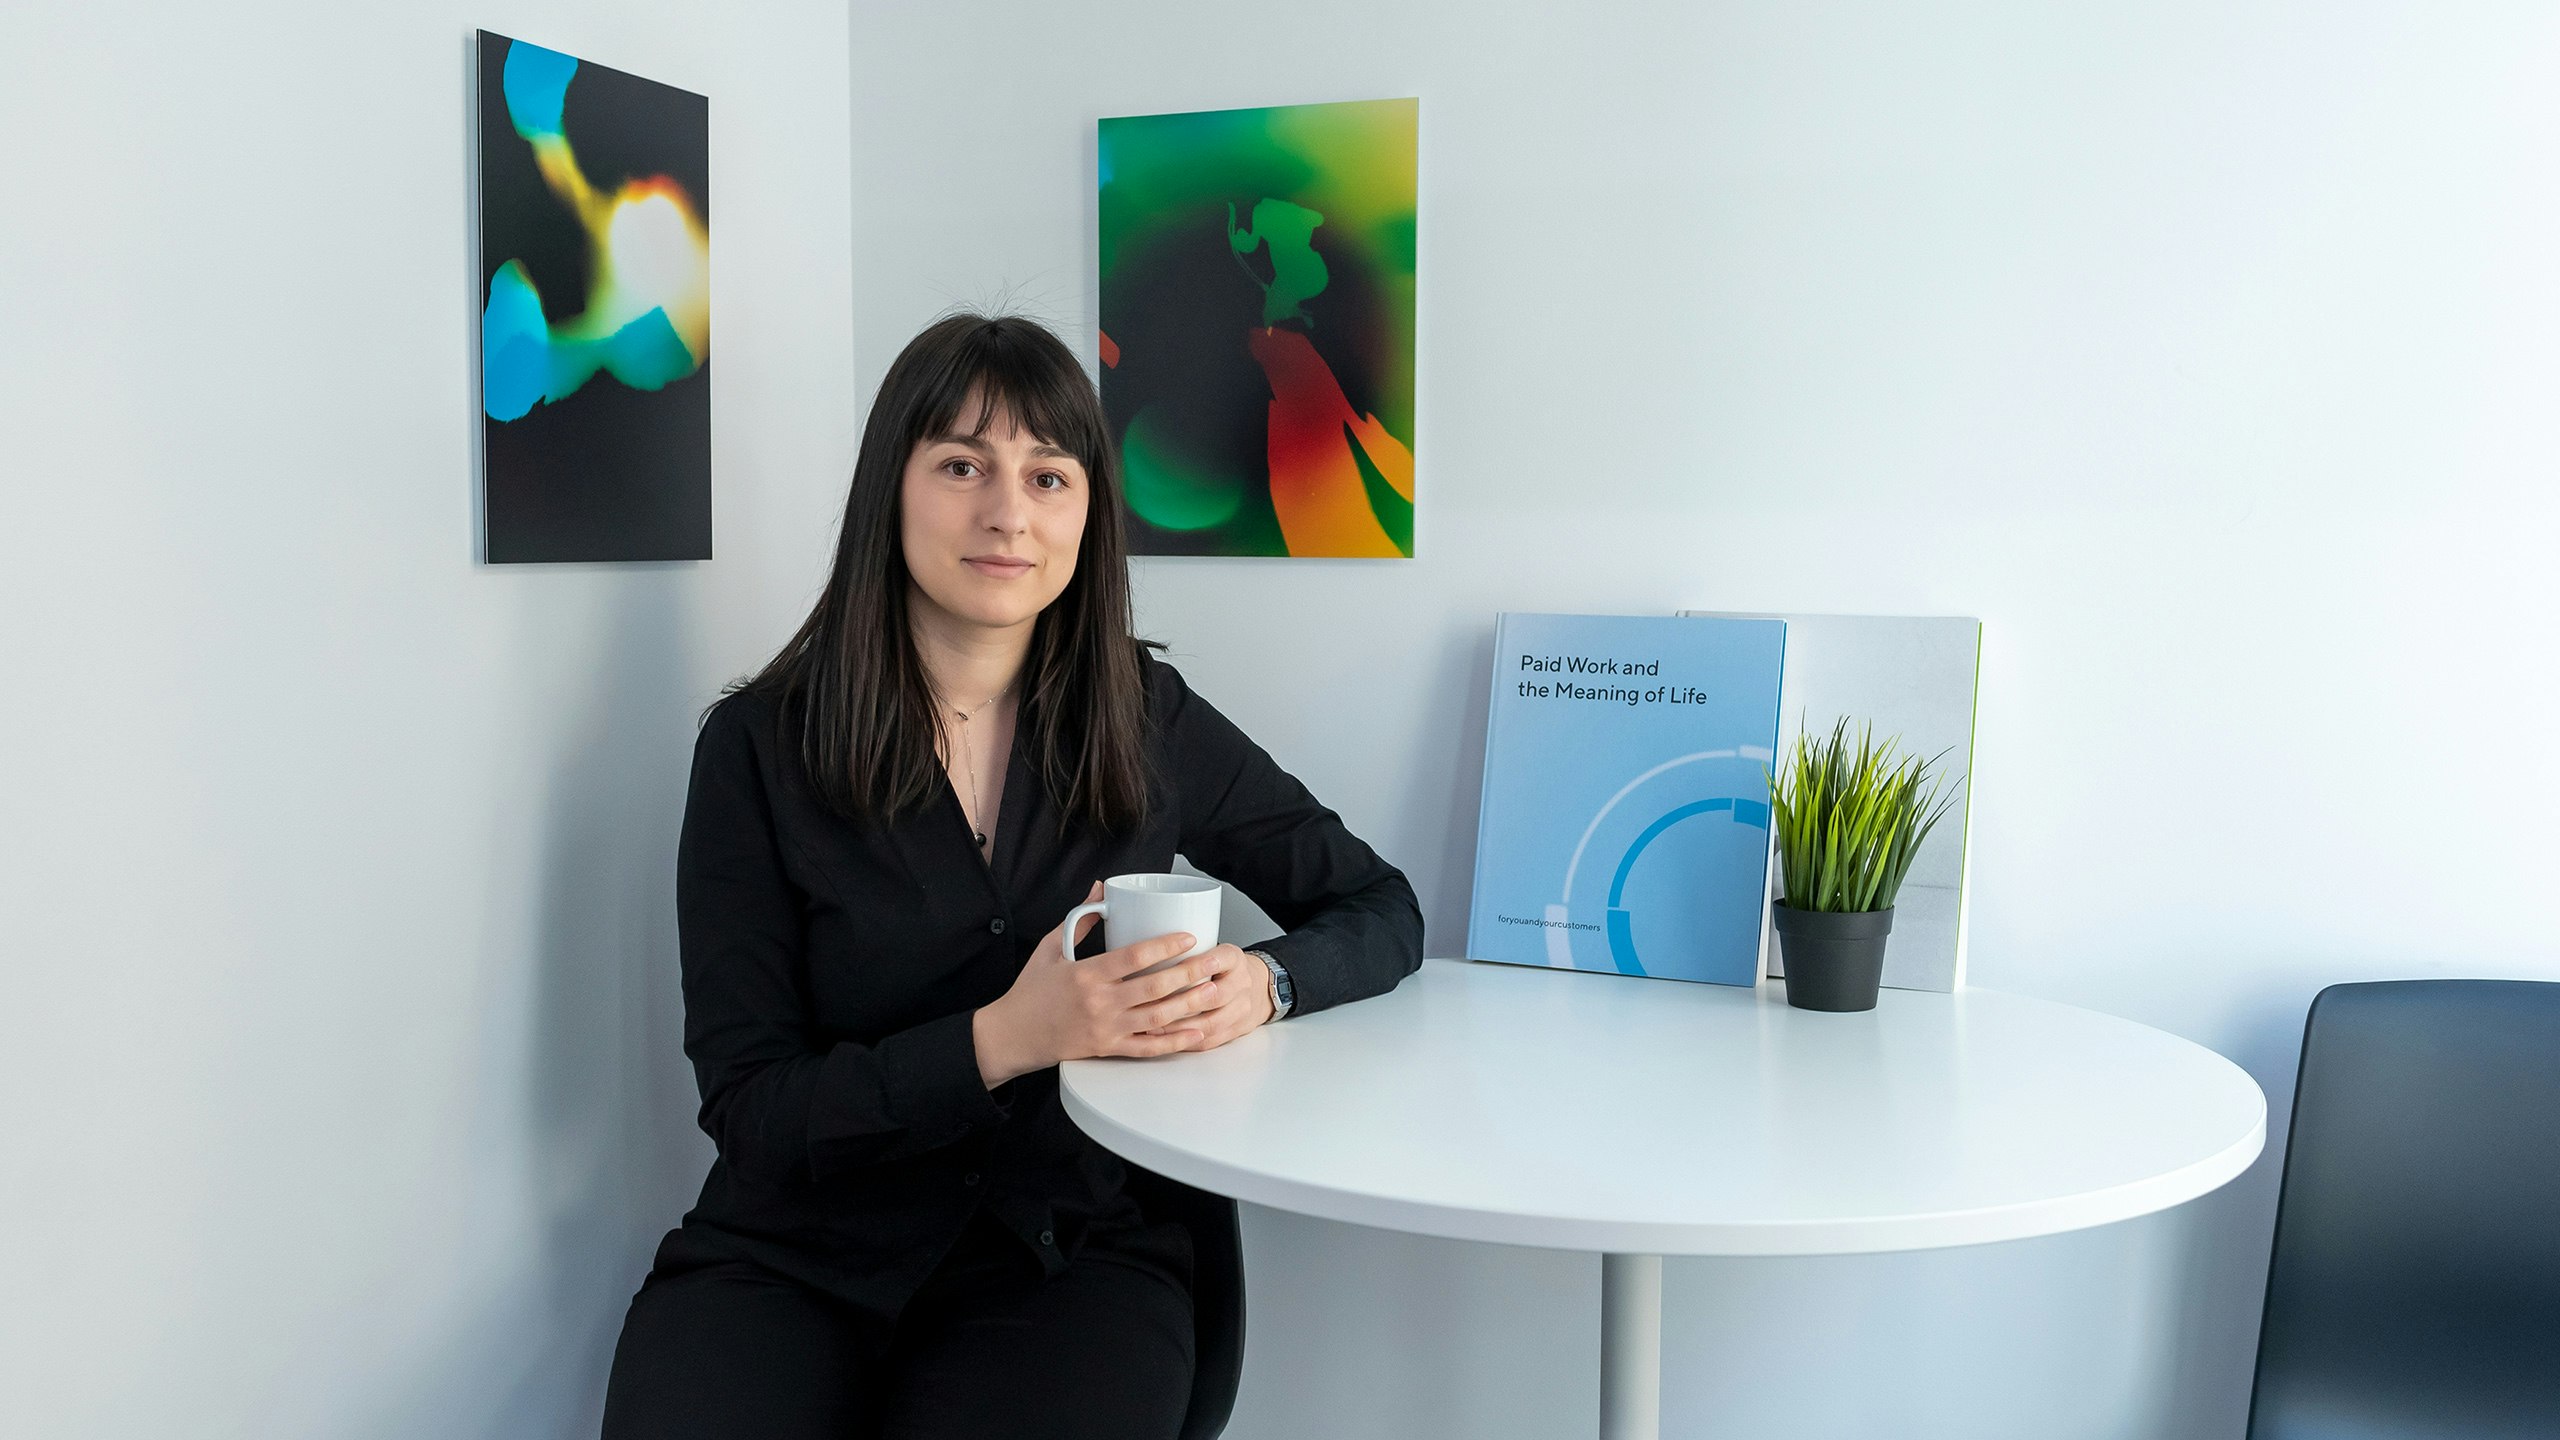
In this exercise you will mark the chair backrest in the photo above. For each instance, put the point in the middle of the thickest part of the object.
(1217, 1293)
(2415, 1283)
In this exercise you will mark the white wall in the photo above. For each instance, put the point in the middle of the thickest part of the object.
(338, 1019)
(2210, 352)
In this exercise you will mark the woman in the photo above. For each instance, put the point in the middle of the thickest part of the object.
(903, 1235)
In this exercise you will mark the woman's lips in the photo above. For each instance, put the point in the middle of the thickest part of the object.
(1002, 567)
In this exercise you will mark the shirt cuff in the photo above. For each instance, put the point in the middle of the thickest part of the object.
(929, 1081)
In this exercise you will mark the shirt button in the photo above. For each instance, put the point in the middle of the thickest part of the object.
(1048, 1237)
(969, 1179)
(996, 926)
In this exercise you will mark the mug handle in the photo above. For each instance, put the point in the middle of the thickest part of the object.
(1076, 916)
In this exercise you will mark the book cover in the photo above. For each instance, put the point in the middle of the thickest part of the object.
(1625, 824)
(1912, 676)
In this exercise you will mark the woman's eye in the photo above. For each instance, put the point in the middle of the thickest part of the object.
(960, 469)
(1050, 480)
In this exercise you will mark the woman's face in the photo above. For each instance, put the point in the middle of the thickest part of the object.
(991, 523)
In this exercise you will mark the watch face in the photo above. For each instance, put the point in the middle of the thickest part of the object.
(1283, 994)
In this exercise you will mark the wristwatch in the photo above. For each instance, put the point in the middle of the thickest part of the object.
(1284, 996)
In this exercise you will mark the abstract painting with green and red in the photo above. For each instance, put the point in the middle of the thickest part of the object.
(1257, 327)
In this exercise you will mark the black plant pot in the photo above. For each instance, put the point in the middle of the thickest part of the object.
(1833, 961)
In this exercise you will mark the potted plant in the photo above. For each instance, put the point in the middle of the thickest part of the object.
(1848, 820)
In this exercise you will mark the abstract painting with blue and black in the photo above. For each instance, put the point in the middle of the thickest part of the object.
(595, 327)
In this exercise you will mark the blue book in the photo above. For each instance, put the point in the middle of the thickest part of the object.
(1625, 824)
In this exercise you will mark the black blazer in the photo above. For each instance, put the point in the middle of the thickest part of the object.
(830, 968)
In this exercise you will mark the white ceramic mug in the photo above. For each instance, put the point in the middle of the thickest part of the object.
(1142, 907)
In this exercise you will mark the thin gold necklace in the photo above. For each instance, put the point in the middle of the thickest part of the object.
(969, 762)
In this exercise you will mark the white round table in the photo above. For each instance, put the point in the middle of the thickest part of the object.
(1643, 1118)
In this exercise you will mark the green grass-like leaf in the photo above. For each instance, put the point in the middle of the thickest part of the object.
(1850, 819)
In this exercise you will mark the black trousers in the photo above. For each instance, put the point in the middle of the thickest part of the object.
(990, 1349)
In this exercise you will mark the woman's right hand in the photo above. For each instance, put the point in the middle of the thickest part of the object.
(1061, 1008)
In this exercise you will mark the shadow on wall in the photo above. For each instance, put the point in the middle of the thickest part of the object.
(602, 1105)
(1334, 1379)
(1461, 666)
(2228, 1234)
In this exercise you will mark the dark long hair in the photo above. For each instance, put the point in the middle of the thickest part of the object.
(851, 683)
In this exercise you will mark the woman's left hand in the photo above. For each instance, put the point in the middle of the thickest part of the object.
(1237, 997)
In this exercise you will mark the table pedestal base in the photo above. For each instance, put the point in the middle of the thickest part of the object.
(1630, 1347)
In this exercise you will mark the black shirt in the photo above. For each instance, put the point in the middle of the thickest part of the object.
(831, 965)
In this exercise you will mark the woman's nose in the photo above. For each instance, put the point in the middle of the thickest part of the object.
(1006, 510)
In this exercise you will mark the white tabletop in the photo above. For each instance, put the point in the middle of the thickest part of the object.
(1600, 1112)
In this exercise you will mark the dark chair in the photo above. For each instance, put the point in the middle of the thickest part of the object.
(2415, 1284)
(1217, 1293)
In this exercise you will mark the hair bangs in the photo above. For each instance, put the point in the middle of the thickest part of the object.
(1004, 373)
